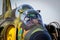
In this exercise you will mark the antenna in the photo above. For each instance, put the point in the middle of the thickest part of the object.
(15, 4)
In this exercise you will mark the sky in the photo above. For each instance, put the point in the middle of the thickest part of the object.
(50, 9)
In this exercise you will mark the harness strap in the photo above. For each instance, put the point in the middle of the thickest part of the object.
(32, 31)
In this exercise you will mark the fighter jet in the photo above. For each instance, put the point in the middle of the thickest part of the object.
(12, 19)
